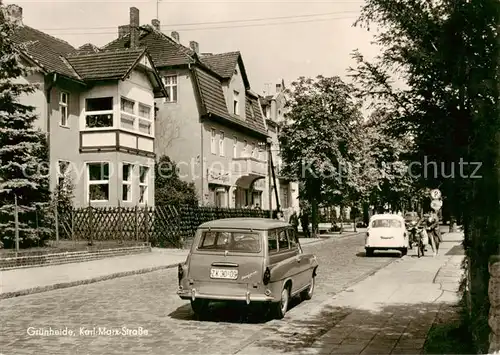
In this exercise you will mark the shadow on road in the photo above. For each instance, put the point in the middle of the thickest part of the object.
(230, 312)
(402, 329)
(380, 254)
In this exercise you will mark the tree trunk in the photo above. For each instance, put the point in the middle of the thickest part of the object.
(314, 221)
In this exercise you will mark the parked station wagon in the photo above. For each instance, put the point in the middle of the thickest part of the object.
(246, 259)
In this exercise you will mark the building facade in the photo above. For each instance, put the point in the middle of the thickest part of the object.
(274, 109)
(97, 109)
(212, 123)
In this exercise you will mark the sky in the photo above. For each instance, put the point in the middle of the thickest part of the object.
(277, 39)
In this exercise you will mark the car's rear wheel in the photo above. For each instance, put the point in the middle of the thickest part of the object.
(403, 251)
(307, 294)
(369, 252)
(281, 307)
(199, 307)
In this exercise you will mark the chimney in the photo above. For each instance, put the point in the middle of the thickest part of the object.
(123, 30)
(278, 88)
(16, 13)
(134, 27)
(194, 46)
(156, 24)
(175, 36)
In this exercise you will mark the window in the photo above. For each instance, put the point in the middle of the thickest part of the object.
(235, 147)
(261, 153)
(170, 82)
(127, 116)
(387, 223)
(98, 181)
(127, 182)
(283, 240)
(245, 148)
(221, 144)
(63, 108)
(236, 103)
(143, 184)
(63, 168)
(253, 150)
(272, 242)
(99, 112)
(145, 120)
(231, 241)
(213, 146)
(252, 112)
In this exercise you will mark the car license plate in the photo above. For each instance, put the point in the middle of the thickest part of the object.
(223, 274)
(386, 237)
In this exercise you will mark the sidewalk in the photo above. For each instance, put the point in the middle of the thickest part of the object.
(20, 282)
(393, 310)
(390, 312)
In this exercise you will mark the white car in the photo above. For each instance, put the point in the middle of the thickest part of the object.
(386, 232)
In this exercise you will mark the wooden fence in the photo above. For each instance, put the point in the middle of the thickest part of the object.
(162, 226)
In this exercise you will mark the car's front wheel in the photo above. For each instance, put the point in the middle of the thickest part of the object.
(281, 307)
(199, 307)
(369, 251)
(404, 251)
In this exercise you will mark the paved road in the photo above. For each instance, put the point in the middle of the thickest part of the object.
(156, 320)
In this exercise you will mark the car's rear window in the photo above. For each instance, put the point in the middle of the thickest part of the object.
(386, 223)
(232, 241)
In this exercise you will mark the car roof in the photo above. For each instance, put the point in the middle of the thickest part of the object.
(245, 223)
(386, 216)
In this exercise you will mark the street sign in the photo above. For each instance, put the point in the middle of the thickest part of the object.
(436, 194)
(436, 205)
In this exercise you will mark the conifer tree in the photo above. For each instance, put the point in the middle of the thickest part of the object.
(23, 150)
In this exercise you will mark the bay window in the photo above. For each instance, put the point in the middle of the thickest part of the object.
(98, 181)
(127, 117)
(99, 112)
(145, 119)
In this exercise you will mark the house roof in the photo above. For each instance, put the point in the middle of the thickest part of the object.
(105, 65)
(44, 50)
(224, 65)
(213, 102)
(163, 49)
(88, 48)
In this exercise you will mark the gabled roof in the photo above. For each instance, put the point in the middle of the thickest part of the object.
(224, 64)
(163, 50)
(213, 103)
(105, 65)
(44, 50)
(116, 65)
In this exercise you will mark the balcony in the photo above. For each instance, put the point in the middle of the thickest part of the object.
(248, 165)
(103, 140)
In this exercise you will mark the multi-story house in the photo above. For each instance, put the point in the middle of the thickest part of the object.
(211, 124)
(274, 109)
(97, 109)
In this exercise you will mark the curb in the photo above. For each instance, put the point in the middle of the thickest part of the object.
(62, 285)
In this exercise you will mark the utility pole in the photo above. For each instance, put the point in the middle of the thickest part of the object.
(269, 174)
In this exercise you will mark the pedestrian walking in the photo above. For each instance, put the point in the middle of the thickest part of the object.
(304, 221)
(294, 221)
